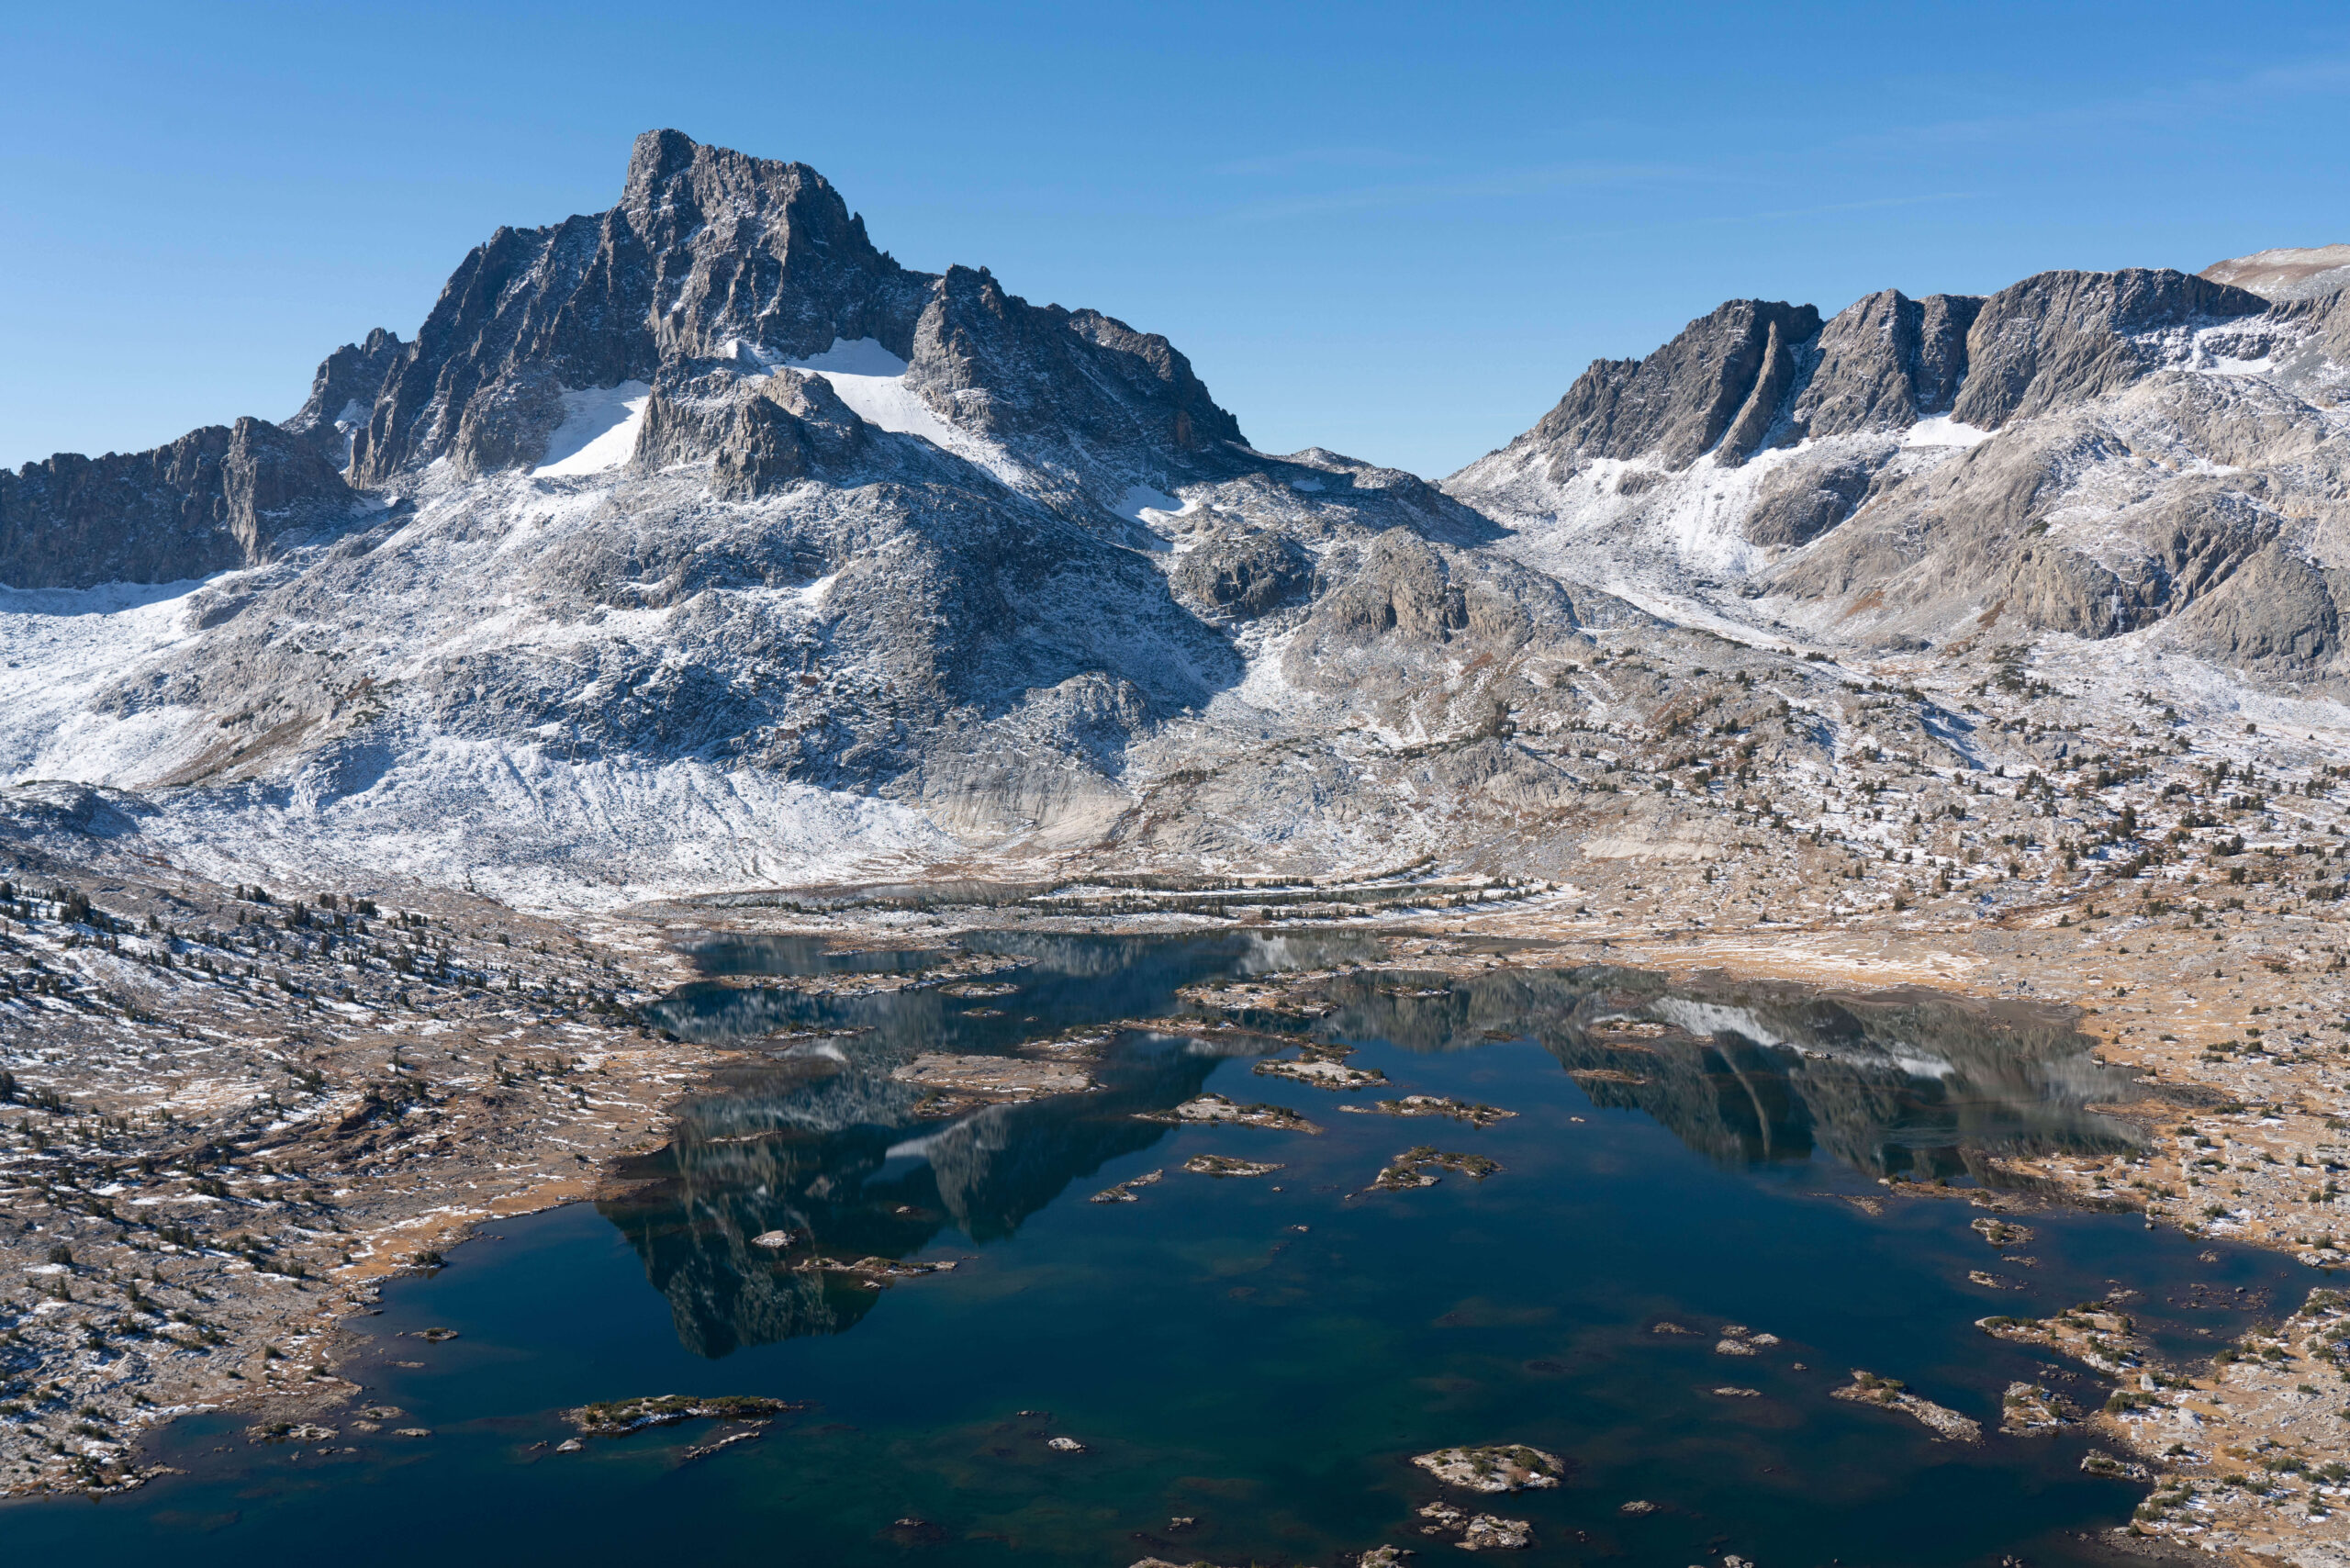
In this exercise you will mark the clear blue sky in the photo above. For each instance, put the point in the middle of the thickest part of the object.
(1397, 232)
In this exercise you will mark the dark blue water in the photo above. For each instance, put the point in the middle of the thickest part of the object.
(1261, 1356)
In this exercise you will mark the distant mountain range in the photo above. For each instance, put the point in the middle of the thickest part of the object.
(696, 543)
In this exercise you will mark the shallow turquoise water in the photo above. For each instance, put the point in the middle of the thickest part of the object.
(1263, 1355)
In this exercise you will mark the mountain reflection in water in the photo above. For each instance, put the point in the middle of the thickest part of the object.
(1908, 1083)
(813, 1136)
(743, 1161)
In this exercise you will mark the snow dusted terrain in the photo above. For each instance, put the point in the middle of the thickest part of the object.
(699, 545)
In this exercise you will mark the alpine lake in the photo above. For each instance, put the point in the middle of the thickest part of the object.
(1243, 1366)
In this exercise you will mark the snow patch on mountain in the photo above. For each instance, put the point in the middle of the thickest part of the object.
(854, 356)
(1675, 529)
(871, 381)
(1945, 430)
(59, 647)
(597, 432)
(1140, 500)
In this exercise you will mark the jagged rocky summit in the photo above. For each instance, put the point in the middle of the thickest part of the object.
(2084, 453)
(698, 543)
(700, 534)
(217, 498)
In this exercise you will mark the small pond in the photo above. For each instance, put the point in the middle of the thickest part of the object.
(1258, 1356)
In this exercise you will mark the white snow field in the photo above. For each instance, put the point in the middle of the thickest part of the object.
(871, 381)
(597, 432)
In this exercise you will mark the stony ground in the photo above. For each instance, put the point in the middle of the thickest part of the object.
(227, 1115)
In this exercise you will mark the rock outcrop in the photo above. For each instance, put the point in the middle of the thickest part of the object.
(217, 498)
(713, 259)
(1886, 361)
(343, 393)
(1059, 387)
(1682, 400)
(2061, 338)
(756, 433)
(1241, 573)
(705, 249)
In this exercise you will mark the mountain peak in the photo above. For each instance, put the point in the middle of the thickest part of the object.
(706, 249)
(656, 157)
(671, 174)
(717, 263)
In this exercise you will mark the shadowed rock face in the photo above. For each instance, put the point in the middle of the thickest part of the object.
(1757, 372)
(707, 247)
(2280, 609)
(757, 433)
(1055, 383)
(1884, 362)
(713, 258)
(216, 499)
(1681, 400)
(2063, 337)
(343, 393)
(1802, 502)
(1240, 573)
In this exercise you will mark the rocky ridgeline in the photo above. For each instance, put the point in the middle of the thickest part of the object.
(343, 394)
(216, 500)
(702, 522)
(2085, 453)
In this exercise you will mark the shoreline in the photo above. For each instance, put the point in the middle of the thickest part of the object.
(626, 1083)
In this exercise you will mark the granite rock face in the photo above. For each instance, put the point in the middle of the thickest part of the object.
(343, 393)
(1801, 501)
(219, 498)
(1886, 361)
(1240, 573)
(2060, 338)
(1756, 374)
(991, 361)
(756, 433)
(1680, 401)
(713, 259)
(707, 248)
